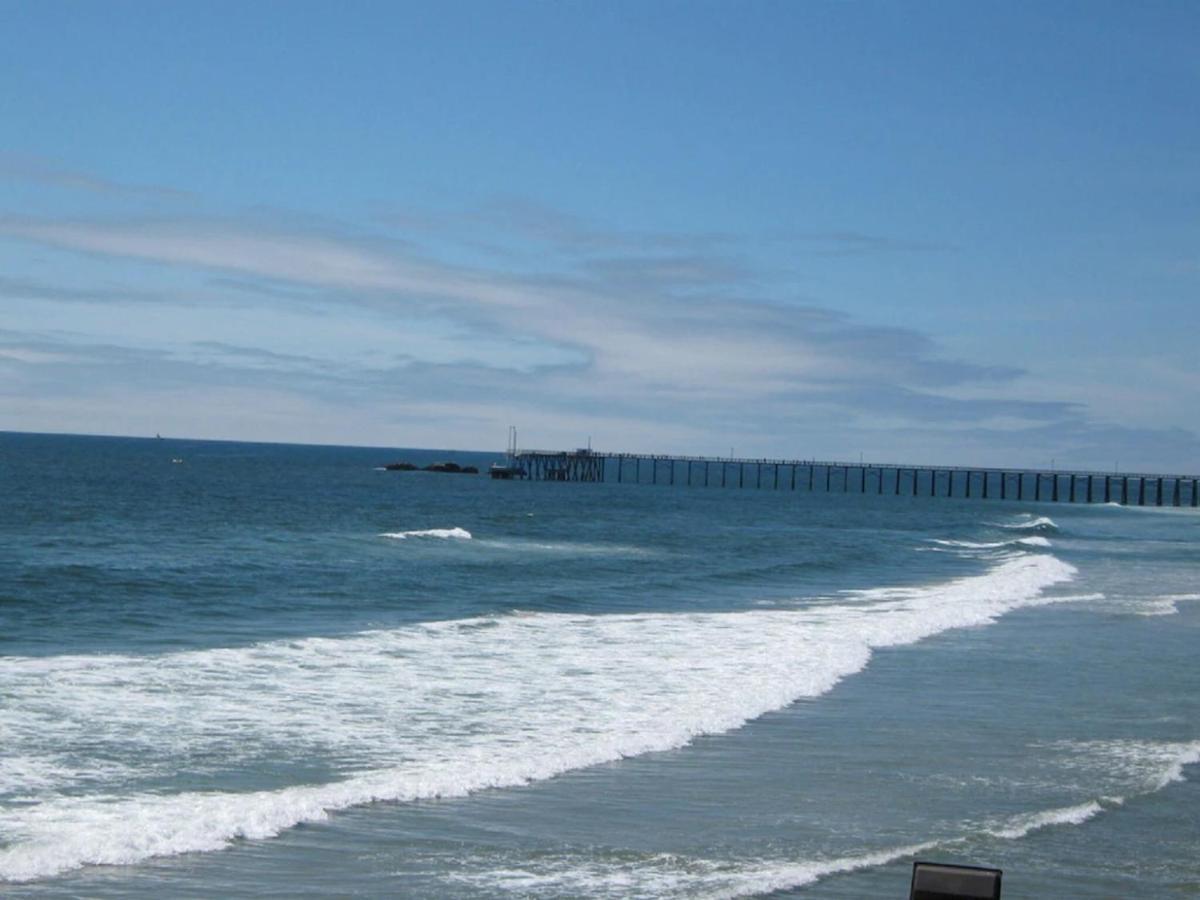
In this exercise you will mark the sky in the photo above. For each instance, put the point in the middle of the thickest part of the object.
(935, 232)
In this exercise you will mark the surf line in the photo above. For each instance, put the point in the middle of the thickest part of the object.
(555, 670)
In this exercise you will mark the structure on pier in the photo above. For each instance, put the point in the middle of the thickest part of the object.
(1125, 488)
(510, 468)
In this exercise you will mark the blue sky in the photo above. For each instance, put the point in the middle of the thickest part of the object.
(943, 232)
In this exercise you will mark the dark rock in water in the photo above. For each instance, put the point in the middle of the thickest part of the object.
(435, 467)
(452, 467)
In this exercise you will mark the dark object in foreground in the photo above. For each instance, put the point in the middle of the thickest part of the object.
(935, 881)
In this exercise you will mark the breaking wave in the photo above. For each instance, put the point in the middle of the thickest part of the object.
(458, 534)
(1032, 541)
(438, 709)
(670, 875)
(1067, 815)
(1040, 524)
(1167, 605)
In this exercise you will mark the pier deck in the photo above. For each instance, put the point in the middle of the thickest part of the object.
(898, 479)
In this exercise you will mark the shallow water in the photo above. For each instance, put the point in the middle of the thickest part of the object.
(278, 669)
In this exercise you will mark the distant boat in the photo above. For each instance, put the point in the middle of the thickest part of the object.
(157, 436)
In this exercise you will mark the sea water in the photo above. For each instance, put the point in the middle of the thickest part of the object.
(233, 669)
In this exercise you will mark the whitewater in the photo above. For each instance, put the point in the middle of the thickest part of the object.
(501, 701)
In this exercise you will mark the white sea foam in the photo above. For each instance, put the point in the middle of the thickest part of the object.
(1032, 541)
(1165, 605)
(1132, 767)
(437, 709)
(1081, 598)
(526, 546)
(535, 547)
(666, 875)
(1039, 523)
(669, 875)
(460, 534)
(1020, 826)
(1141, 605)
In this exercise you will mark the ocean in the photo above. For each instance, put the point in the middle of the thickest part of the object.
(236, 669)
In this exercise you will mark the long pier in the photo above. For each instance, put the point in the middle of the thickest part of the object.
(974, 482)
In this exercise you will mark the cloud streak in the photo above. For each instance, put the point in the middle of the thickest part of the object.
(658, 316)
(45, 172)
(680, 336)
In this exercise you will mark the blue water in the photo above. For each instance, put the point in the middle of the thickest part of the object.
(273, 669)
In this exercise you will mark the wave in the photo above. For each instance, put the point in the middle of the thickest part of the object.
(666, 875)
(527, 546)
(671, 875)
(1040, 523)
(1067, 815)
(568, 548)
(1136, 767)
(460, 534)
(433, 710)
(1032, 541)
(1166, 605)
(1186, 755)
(1148, 606)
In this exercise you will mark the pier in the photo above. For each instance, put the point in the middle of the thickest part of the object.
(896, 479)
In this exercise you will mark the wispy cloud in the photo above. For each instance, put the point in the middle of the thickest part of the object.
(296, 257)
(28, 288)
(666, 321)
(854, 243)
(683, 337)
(46, 172)
(520, 219)
(1070, 441)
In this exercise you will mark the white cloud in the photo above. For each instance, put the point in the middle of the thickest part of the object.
(659, 348)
